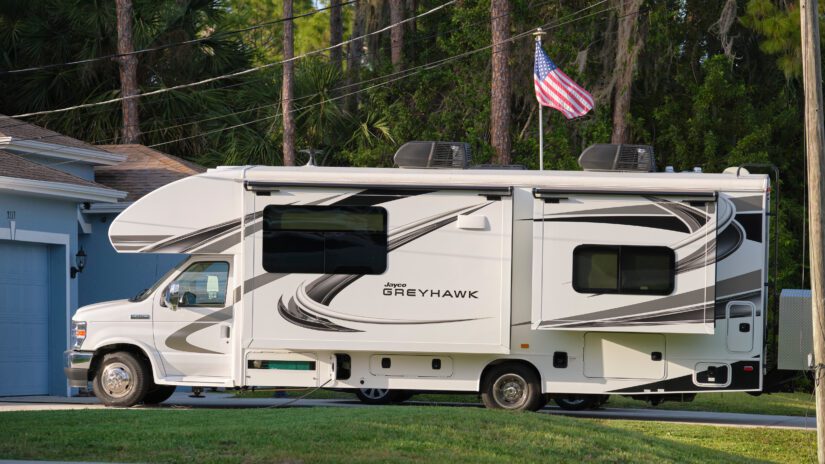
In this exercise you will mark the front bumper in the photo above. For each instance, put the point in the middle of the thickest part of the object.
(76, 366)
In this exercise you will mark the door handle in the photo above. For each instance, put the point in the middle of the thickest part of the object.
(225, 332)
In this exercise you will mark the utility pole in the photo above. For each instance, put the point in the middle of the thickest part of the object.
(812, 79)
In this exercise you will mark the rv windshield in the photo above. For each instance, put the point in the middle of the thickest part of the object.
(148, 291)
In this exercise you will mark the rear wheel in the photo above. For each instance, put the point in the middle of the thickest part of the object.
(577, 402)
(122, 379)
(159, 394)
(382, 395)
(514, 387)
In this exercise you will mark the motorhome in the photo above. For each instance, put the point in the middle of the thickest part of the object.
(519, 285)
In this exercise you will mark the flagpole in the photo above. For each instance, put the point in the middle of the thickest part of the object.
(541, 139)
(538, 34)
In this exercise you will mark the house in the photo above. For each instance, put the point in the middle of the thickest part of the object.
(57, 197)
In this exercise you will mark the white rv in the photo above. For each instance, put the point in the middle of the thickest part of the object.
(519, 285)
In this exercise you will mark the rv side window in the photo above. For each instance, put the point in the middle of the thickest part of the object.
(325, 239)
(635, 270)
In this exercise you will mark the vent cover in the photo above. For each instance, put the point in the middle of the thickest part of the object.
(610, 157)
(433, 155)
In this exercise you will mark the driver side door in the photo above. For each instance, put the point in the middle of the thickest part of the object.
(193, 339)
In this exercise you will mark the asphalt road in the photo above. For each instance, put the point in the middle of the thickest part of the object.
(217, 400)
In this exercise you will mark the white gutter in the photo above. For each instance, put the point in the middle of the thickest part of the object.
(108, 208)
(34, 147)
(60, 190)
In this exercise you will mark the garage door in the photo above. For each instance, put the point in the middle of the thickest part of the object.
(24, 322)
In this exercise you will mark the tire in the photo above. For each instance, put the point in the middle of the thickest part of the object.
(382, 395)
(577, 402)
(122, 380)
(513, 387)
(159, 394)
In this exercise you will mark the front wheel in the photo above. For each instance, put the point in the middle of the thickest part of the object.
(514, 387)
(122, 380)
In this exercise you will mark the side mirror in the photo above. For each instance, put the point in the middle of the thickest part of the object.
(172, 297)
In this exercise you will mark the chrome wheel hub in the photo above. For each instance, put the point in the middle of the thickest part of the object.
(510, 391)
(116, 379)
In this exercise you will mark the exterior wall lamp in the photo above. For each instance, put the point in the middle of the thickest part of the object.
(80, 263)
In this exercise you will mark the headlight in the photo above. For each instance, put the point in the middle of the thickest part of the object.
(78, 334)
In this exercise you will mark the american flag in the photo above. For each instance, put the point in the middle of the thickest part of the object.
(556, 90)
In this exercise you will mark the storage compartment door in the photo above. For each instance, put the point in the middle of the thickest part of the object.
(624, 356)
(740, 318)
(616, 262)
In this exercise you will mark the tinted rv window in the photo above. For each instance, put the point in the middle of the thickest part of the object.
(325, 239)
(623, 269)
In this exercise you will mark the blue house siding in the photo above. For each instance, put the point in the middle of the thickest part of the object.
(110, 275)
(52, 223)
(82, 170)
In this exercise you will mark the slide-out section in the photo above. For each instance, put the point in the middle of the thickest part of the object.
(624, 263)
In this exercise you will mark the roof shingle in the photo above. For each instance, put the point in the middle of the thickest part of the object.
(144, 170)
(20, 168)
(10, 127)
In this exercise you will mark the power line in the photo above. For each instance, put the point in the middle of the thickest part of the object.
(393, 77)
(418, 39)
(409, 72)
(217, 35)
(235, 74)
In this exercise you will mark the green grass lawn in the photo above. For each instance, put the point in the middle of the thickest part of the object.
(378, 434)
(786, 404)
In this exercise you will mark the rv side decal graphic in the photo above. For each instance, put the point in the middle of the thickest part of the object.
(177, 341)
(309, 307)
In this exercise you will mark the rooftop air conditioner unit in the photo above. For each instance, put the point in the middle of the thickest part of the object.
(613, 157)
(433, 155)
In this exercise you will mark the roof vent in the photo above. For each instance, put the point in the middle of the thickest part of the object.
(433, 155)
(611, 157)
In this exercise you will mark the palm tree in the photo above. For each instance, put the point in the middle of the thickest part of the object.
(336, 32)
(42, 32)
(286, 93)
(128, 71)
(397, 34)
(500, 101)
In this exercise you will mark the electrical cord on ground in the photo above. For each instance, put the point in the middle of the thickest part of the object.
(295, 400)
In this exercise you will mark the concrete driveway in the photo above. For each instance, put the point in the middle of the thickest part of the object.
(226, 400)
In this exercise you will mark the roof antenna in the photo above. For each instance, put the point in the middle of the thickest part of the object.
(311, 152)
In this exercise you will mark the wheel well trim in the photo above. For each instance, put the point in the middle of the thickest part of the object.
(122, 344)
(521, 361)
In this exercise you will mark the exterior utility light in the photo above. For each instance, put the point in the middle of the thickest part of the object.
(80, 263)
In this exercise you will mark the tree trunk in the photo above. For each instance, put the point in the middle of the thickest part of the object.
(128, 72)
(500, 102)
(355, 51)
(412, 27)
(286, 91)
(397, 34)
(629, 43)
(336, 33)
